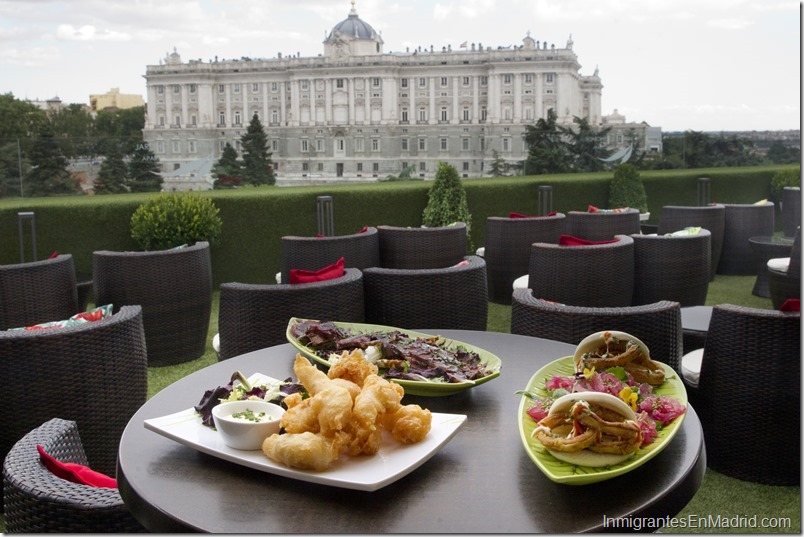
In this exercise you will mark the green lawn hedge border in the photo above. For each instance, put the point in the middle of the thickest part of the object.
(254, 219)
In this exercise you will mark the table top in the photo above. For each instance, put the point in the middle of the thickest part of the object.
(482, 481)
(696, 318)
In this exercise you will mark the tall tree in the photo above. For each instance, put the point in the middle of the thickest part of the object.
(113, 173)
(228, 170)
(48, 174)
(547, 151)
(257, 166)
(142, 170)
(74, 127)
(585, 145)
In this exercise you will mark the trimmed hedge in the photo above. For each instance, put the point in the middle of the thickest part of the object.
(254, 219)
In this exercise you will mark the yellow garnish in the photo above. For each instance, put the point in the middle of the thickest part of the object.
(630, 398)
(587, 373)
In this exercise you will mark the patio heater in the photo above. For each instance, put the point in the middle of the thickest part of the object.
(704, 197)
(326, 220)
(545, 200)
(30, 217)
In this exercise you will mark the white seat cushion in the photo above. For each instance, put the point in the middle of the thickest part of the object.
(779, 264)
(691, 366)
(278, 278)
(216, 342)
(521, 282)
(481, 251)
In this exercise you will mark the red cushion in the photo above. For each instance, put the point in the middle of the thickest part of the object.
(54, 255)
(791, 304)
(319, 236)
(569, 240)
(520, 215)
(363, 230)
(75, 473)
(592, 209)
(330, 272)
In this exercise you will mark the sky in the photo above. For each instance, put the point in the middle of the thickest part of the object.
(703, 65)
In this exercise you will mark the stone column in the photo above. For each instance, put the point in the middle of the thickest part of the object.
(328, 101)
(475, 99)
(456, 113)
(432, 119)
(517, 98)
(350, 88)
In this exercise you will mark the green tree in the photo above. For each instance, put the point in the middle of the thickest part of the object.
(75, 130)
(498, 165)
(48, 174)
(778, 153)
(626, 189)
(143, 170)
(228, 170)
(18, 119)
(10, 163)
(113, 173)
(584, 145)
(446, 201)
(257, 166)
(547, 151)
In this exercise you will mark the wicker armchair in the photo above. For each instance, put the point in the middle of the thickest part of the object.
(742, 223)
(601, 226)
(786, 284)
(422, 247)
(452, 297)
(747, 351)
(360, 250)
(658, 325)
(95, 374)
(255, 316)
(37, 292)
(37, 501)
(174, 288)
(710, 217)
(600, 275)
(672, 268)
(791, 210)
(507, 250)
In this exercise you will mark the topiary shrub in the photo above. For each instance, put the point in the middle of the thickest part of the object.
(783, 178)
(627, 190)
(447, 202)
(171, 220)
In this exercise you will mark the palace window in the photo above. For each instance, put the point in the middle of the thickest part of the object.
(422, 144)
(221, 119)
(375, 144)
(444, 144)
(191, 146)
(422, 82)
(466, 114)
(404, 144)
(465, 144)
(466, 81)
(528, 78)
(506, 79)
(236, 88)
(549, 78)
(237, 120)
(255, 87)
(403, 82)
(422, 114)
(444, 82)
(176, 88)
(444, 114)
(160, 90)
(305, 146)
(404, 115)
(339, 83)
(375, 82)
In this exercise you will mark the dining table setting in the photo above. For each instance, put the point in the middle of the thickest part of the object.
(397, 430)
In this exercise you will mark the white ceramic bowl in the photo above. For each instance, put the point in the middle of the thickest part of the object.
(242, 433)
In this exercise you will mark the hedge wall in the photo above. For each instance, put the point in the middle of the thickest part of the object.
(254, 219)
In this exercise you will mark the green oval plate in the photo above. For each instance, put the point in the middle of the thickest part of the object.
(571, 474)
(412, 387)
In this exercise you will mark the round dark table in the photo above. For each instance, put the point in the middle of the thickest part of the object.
(695, 325)
(480, 482)
(766, 248)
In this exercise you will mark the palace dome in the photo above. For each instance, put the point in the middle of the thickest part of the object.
(354, 27)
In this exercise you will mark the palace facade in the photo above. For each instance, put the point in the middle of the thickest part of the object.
(357, 113)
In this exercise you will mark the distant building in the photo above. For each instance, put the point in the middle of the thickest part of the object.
(194, 175)
(113, 99)
(356, 112)
(50, 105)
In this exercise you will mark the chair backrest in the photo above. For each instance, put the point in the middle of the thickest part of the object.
(454, 297)
(601, 226)
(255, 316)
(422, 247)
(360, 250)
(791, 210)
(95, 374)
(672, 268)
(658, 325)
(747, 353)
(709, 217)
(174, 288)
(600, 275)
(37, 501)
(794, 269)
(507, 249)
(37, 292)
(742, 223)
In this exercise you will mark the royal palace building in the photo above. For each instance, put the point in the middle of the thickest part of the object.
(356, 112)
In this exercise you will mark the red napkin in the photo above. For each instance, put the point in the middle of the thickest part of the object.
(569, 240)
(791, 304)
(330, 272)
(76, 473)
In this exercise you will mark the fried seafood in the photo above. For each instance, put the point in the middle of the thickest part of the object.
(612, 349)
(347, 411)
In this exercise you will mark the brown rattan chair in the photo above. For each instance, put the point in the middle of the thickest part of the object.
(360, 250)
(791, 210)
(658, 325)
(748, 395)
(786, 284)
(601, 226)
(255, 316)
(672, 268)
(37, 292)
(37, 501)
(742, 223)
(94, 373)
(709, 217)
(422, 247)
(453, 297)
(600, 275)
(174, 288)
(507, 249)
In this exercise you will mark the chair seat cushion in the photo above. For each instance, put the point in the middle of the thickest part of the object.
(330, 272)
(691, 366)
(75, 473)
(779, 264)
(521, 282)
(481, 251)
(569, 240)
(96, 314)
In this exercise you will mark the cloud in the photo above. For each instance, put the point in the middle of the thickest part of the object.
(730, 24)
(34, 57)
(68, 32)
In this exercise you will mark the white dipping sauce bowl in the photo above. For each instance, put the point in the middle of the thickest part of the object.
(243, 434)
